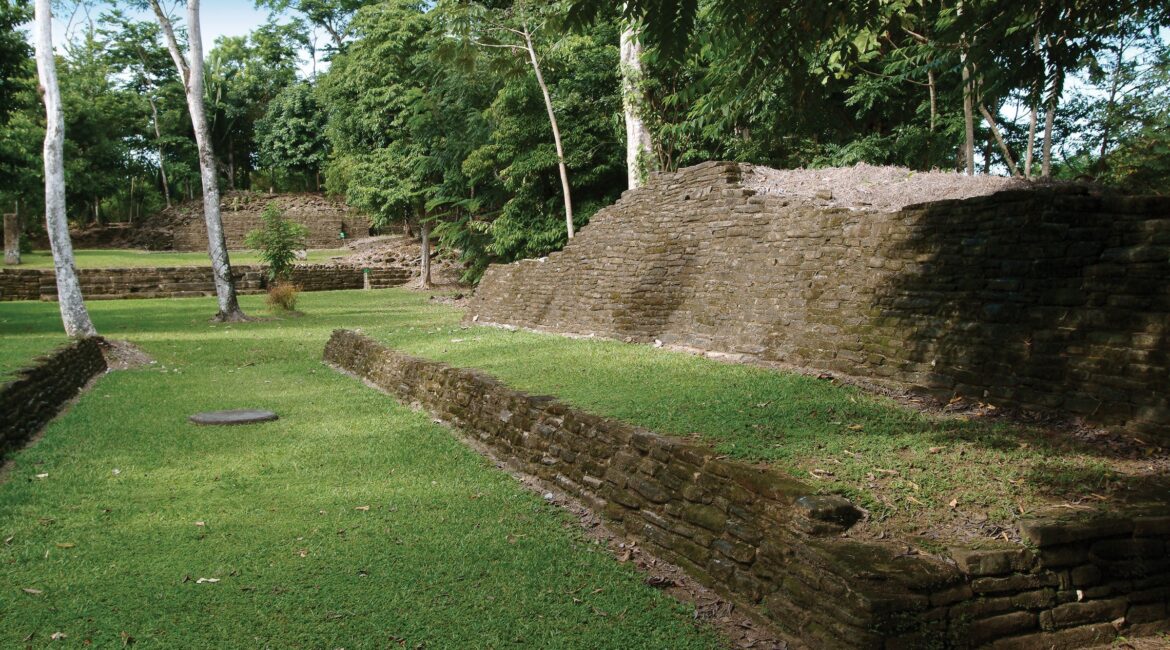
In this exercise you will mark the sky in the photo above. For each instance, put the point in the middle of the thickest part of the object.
(217, 18)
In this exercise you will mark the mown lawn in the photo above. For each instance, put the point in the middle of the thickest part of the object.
(946, 478)
(124, 258)
(349, 523)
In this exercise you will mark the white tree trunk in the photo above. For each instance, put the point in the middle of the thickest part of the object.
(425, 272)
(162, 169)
(639, 147)
(192, 74)
(1049, 118)
(552, 118)
(74, 315)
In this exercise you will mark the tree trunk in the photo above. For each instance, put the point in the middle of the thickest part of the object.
(12, 239)
(231, 166)
(425, 275)
(74, 315)
(192, 75)
(1049, 118)
(162, 170)
(552, 118)
(968, 118)
(933, 99)
(1003, 148)
(1030, 153)
(638, 143)
(1110, 105)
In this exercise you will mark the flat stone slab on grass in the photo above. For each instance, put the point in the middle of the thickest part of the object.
(234, 416)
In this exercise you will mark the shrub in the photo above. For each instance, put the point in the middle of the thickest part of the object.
(277, 243)
(282, 296)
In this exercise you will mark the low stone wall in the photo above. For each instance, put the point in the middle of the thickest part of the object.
(768, 541)
(40, 391)
(187, 281)
(1050, 298)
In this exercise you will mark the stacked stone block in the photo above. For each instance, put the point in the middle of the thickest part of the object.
(188, 281)
(39, 392)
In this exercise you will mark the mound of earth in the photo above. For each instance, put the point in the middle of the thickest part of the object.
(405, 252)
(882, 188)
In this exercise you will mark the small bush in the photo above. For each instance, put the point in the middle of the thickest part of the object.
(282, 296)
(277, 242)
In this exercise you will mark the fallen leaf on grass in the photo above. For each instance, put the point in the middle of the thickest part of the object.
(32, 592)
(42, 476)
(856, 427)
(362, 508)
(954, 503)
(914, 501)
(304, 552)
(66, 545)
(200, 523)
(57, 636)
(209, 580)
(8, 540)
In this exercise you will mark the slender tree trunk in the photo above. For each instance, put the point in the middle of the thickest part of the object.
(231, 165)
(425, 274)
(192, 75)
(933, 99)
(74, 315)
(162, 169)
(968, 118)
(1114, 88)
(552, 118)
(1003, 148)
(1030, 153)
(1049, 119)
(639, 149)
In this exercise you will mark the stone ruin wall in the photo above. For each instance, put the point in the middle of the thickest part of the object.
(34, 395)
(190, 281)
(1051, 298)
(241, 214)
(768, 542)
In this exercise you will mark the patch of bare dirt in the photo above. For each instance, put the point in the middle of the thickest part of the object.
(884, 188)
(124, 355)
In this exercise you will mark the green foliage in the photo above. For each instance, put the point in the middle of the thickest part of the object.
(291, 135)
(277, 243)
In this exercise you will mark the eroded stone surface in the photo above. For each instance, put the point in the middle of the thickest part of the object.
(233, 416)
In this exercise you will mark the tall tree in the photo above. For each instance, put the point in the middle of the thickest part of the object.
(74, 315)
(639, 146)
(514, 29)
(191, 72)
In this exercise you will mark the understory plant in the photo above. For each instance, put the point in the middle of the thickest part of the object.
(277, 243)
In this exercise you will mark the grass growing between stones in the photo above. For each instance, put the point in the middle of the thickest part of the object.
(123, 258)
(351, 522)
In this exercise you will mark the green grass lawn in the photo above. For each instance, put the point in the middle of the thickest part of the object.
(906, 467)
(350, 522)
(114, 259)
